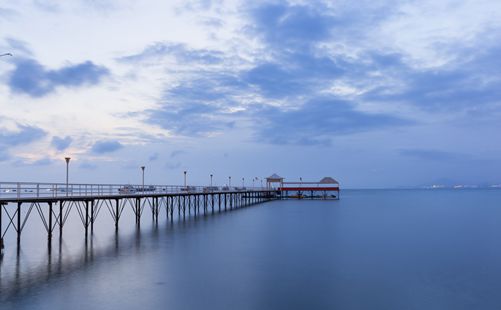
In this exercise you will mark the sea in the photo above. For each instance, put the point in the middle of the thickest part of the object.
(372, 249)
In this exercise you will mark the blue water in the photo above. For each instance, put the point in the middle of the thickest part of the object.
(373, 249)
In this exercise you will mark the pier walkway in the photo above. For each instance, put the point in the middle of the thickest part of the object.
(53, 203)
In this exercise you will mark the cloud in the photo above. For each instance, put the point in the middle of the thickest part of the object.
(153, 157)
(42, 162)
(181, 52)
(61, 144)
(48, 6)
(17, 47)
(291, 82)
(293, 74)
(106, 146)
(87, 165)
(17, 135)
(473, 79)
(172, 166)
(24, 134)
(429, 155)
(4, 155)
(176, 153)
(6, 13)
(30, 162)
(31, 78)
(197, 107)
(318, 121)
(296, 26)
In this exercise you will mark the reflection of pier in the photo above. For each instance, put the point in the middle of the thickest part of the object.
(327, 188)
(25, 276)
(54, 202)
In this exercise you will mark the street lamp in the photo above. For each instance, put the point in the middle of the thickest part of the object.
(142, 168)
(229, 181)
(243, 182)
(211, 182)
(67, 159)
(184, 179)
(253, 179)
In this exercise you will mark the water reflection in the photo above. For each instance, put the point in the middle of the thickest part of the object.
(61, 261)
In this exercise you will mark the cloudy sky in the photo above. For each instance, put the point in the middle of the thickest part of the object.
(373, 93)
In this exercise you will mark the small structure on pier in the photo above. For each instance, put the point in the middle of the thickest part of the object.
(326, 188)
(274, 178)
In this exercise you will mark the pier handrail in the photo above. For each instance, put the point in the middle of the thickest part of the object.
(9, 190)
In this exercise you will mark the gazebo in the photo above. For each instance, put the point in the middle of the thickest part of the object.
(328, 180)
(274, 178)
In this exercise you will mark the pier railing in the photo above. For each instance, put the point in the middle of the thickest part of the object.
(9, 190)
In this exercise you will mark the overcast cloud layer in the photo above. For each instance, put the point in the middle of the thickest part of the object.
(398, 93)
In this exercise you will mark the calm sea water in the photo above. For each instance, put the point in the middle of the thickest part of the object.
(373, 249)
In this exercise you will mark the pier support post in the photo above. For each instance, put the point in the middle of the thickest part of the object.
(157, 208)
(153, 210)
(49, 237)
(188, 204)
(61, 218)
(1, 230)
(92, 217)
(171, 207)
(86, 217)
(117, 214)
(167, 206)
(178, 207)
(184, 205)
(19, 223)
(138, 211)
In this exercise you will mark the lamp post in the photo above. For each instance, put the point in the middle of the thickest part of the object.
(67, 159)
(243, 182)
(184, 179)
(211, 182)
(142, 183)
(229, 181)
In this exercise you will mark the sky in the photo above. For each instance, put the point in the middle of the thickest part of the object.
(373, 93)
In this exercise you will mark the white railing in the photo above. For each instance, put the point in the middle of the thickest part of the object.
(9, 190)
